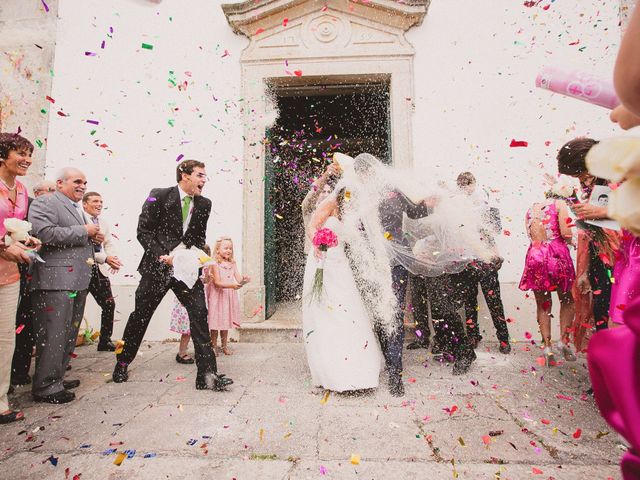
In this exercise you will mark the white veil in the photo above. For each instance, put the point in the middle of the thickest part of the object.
(374, 200)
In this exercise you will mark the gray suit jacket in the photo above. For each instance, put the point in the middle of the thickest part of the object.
(66, 247)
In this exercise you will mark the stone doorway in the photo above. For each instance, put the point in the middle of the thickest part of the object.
(328, 42)
(314, 121)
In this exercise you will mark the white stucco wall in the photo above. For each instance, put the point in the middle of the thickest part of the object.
(475, 65)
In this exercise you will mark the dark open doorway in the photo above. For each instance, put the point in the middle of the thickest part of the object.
(313, 123)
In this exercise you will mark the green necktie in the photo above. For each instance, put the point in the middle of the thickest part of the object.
(186, 201)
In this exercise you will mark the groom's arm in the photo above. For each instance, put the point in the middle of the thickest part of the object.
(413, 210)
(149, 222)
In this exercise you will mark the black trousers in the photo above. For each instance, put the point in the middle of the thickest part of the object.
(599, 280)
(21, 362)
(467, 281)
(149, 294)
(439, 292)
(100, 289)
(391, 343)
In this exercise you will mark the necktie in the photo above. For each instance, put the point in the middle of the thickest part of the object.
(186, 202)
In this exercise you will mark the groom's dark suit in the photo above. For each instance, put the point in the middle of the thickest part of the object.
(160, 230)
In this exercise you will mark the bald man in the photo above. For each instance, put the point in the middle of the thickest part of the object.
(59, 286)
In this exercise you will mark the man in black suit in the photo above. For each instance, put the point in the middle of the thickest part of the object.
(170, 217)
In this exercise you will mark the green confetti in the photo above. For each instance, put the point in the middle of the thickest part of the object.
(43, 110)
(73, 294)
(147, 46)
(39, 143)
(171, 121)
(93, 132)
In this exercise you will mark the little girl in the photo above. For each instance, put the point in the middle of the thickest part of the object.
(180, 324)
(548, 267)
(222, 279)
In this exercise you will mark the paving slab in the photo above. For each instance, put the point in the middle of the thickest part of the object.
(273, 423)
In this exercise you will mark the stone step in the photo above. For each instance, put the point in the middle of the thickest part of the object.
(271, 331)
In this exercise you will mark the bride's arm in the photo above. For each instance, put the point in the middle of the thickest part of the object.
(320, 216)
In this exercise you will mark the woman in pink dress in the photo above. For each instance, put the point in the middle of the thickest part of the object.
(548, 267)
(223, 280)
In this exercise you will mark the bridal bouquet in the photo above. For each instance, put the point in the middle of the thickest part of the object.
(324, 239)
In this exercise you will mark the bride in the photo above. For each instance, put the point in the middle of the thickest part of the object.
(342, 349)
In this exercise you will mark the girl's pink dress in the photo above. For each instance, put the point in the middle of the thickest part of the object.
(223, 303)
(180, 319)
(548, 265)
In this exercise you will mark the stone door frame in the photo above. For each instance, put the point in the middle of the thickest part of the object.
(334, 42)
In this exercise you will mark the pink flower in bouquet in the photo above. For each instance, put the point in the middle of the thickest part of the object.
(325, 237)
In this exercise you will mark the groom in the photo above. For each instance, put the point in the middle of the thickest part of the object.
(171, 217)
(390, 212)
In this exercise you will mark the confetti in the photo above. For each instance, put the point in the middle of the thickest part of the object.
(147, 46)
(355, 459)
(518, 143)
(19, 329)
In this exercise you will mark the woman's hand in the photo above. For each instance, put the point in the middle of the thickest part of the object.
(33, 243)
(624, 118)
(584, 286)
(166, 259)
(586, 211)
(16, 252)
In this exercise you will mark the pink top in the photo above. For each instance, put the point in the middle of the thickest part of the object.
(8, 209)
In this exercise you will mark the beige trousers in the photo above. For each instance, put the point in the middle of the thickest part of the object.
(8, 306)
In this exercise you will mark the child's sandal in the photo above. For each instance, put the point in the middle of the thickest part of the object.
(10, 417)
(227, 351)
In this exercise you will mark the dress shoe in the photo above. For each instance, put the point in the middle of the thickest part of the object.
(106, 346)
(396, 387)
(68, 367)
(463, 363)
(418, 344)
(63, 396)
(217, 382)
(17, 381)
(120, 373)
(186, 359)
(70, 384)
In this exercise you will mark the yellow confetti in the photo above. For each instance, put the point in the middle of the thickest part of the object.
(119, 347)
(119, 458)
(261, 434)
(325, 397)
(287, 435)
(279, 217)
(355, 459)
(204, 259)
(461, 441)
(347, 195)
(388, 236)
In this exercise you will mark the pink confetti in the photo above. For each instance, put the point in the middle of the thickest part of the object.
(518, 143)
(19, 329)
(46, 7)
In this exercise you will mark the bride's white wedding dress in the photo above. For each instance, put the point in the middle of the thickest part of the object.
(342, 349)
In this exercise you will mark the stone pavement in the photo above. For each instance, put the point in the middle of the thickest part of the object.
(507, 419)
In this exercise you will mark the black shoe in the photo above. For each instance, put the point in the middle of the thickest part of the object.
(186, 359)
(217, 382)
(63, 396)
(120, 373)
(68, 367)
(70, 384)
(463, 364)
(418, 344)
(17, 381)
(106, 346)
(505, 347)
(396, 387)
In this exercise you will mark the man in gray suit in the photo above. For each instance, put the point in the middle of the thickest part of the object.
(59, 286)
